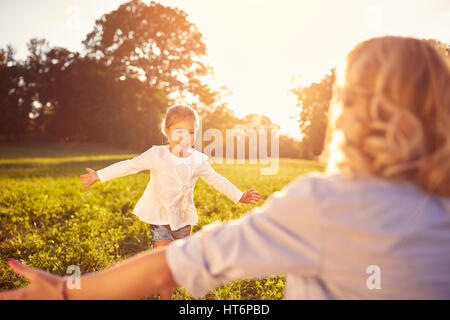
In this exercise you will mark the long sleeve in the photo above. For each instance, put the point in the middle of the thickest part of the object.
(277, 238)
(220, 182)
(144, 161)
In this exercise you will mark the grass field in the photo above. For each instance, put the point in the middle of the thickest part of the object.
(49, 221)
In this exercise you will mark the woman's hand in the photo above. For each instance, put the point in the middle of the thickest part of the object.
(91, 177)
(140, 276)
(43, 285)
(250, 197)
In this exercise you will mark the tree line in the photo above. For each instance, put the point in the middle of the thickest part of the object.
(313, 103)
(116, 93)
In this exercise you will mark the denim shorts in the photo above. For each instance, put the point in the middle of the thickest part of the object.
(163, 232)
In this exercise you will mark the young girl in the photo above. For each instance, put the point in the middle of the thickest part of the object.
(375, 226)
(167, 203)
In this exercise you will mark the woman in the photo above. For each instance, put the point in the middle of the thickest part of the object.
(375, 225)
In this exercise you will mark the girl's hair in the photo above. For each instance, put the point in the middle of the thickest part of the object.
(390, 118)
(179, 113)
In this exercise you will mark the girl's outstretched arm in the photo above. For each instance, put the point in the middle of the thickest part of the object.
(223, 185)
(140, 276)
(144, 161)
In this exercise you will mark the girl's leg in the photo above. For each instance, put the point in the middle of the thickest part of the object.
(166, 294)
(163, 236)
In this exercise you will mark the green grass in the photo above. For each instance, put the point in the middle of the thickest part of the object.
(49, 221)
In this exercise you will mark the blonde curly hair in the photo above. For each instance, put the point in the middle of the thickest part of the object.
(390, 118)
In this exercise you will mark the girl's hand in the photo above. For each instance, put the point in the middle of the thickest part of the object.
(43, 285)
(250, 197)
(90, 178)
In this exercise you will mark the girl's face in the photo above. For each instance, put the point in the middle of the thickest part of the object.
(181, 132)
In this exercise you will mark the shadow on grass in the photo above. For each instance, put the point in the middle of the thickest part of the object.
(50, 150)
(63, 169)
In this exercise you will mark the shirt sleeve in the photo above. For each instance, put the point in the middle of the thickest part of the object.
(280, 237)
(144, 161)
(220, 182)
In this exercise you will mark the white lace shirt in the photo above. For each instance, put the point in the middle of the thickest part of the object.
(168, 197)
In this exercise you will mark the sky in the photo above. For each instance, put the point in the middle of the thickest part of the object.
(259, 49)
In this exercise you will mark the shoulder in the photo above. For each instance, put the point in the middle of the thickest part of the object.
(152, 152)
(295, 192)
(336, 185)
(297, 205)
(157, 149)
(309, 190)
(308, 184)
(200, 157)
(335, 191)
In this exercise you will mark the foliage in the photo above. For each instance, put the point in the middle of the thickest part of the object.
(136, 56)
(151, 41)
(313, 102)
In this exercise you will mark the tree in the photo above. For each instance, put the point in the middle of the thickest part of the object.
(45, 66)
(136, 57)
(156, 52)
(313, 102)
(442, 47)
(150, 42)
(15, 97)
(89, 104)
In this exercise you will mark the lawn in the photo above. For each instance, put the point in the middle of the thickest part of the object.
(49, 221)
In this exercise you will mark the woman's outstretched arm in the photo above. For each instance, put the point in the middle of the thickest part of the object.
(140, 276)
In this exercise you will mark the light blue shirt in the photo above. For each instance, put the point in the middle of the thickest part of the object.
(333, 238)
